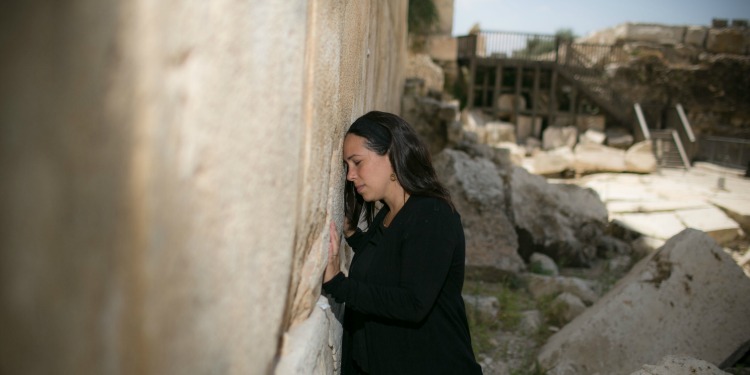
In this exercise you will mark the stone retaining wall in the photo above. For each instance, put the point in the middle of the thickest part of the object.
(168, 172)
(734, 40)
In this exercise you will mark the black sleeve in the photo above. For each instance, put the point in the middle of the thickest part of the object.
(427, 251)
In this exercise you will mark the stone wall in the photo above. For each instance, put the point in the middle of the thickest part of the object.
(441, 45)
(734, 40)
(169, 170)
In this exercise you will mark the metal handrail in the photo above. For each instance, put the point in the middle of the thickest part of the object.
(730, 152)
(642, 121)
(685, 123)
(680, 148)
(538, 47)
(512, 45)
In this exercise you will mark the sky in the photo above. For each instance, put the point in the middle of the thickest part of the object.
(586, 16)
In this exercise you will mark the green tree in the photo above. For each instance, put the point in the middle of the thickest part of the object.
(539, 44)
(423, 16)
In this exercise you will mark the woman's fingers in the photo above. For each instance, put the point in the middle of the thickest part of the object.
(334, 239)
(334, 265)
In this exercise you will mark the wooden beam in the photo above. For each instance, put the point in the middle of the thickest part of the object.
(516, 101)
(534, 101)
(498, 86)
(485, 85)
(472, 78)
(552, 98)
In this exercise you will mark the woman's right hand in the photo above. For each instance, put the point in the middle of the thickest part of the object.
(334, 264)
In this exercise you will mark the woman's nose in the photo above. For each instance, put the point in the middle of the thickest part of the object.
(350, 174)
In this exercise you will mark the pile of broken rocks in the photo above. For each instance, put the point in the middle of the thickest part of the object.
(680, 308)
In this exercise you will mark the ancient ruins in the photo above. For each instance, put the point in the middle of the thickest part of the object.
(169, 171)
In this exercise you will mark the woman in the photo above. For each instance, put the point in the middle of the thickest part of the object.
(404, 310)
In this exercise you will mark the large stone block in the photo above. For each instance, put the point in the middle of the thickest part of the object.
(654, 33)
(442, 47)
(592, 157)
(421, 66)
(480, 196)
(696, 36)
(555, 137)
(727, 40)
(689, 297)
(313, 346)
(560, 220)
(169, 172)
(640, 158)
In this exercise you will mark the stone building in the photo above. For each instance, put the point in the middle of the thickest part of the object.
(168, 174)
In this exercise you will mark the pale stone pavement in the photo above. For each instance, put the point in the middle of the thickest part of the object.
(713, 199)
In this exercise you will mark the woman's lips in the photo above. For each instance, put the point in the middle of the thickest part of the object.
(359, 188)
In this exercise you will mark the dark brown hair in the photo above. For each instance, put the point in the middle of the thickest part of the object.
(387, 133)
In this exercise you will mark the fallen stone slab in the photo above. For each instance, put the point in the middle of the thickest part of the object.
(689, 297)
(597, 158)
(553, 161)
(627, 188)
(653, 206)
(640, 158)
(659, 225)
(711, 220)
(737, 208)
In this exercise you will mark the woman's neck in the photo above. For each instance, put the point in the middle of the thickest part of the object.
(395, 203)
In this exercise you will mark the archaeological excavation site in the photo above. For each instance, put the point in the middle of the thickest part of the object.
(169, 172)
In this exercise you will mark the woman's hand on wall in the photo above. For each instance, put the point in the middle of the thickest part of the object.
(334, 263)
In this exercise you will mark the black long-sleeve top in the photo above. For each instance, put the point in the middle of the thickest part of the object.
(404, 311)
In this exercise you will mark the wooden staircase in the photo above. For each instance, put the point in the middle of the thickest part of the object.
(588, 78)
(593, 86)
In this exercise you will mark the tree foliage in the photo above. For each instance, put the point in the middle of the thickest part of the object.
(537, 45)
(423, 16)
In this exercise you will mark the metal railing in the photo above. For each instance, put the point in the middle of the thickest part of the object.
(677, 120)
(728, 152)
(508, 45)
(642, 124)
(538, 47)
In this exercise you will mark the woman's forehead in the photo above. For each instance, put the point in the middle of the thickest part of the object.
(354, 144)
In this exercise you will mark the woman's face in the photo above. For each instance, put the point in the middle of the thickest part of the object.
(369, 171)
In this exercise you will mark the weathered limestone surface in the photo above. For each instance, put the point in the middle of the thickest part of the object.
(639, 32)
(552, 161)
(640, 158)
(321, 334)
(590, 157)
(727, 40)
(479, 195)
(680, 365)
(689, 297)
(696, 35)
(556, 136)
(421, 66)
(169, 170)
(563, 221)
(435, 121)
